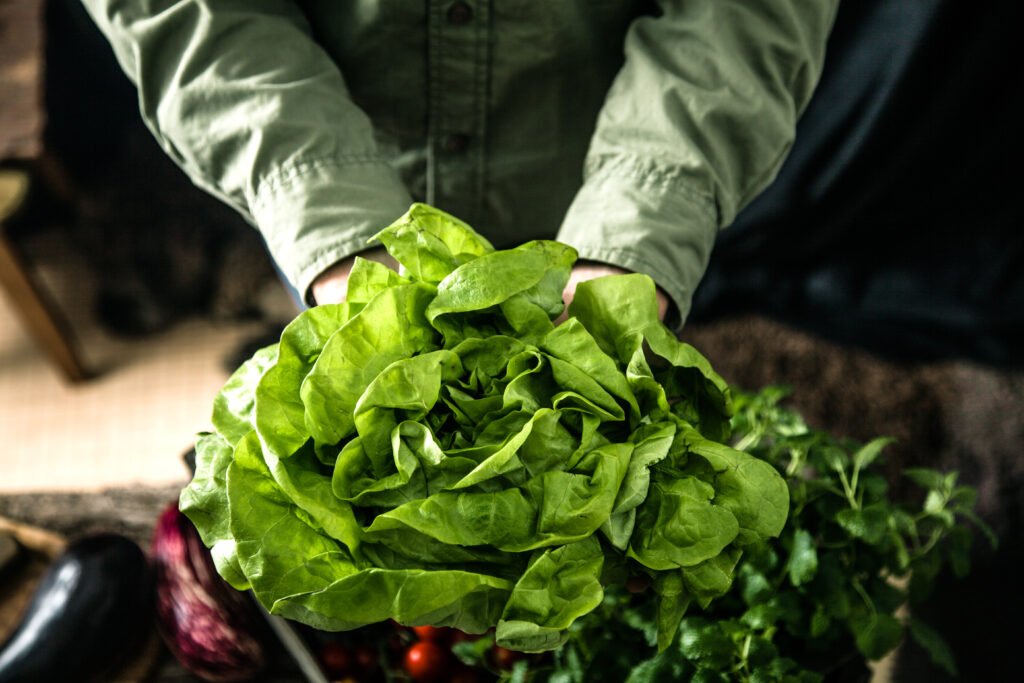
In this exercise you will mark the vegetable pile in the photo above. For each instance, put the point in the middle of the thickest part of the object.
(831, 593)
(436, 451)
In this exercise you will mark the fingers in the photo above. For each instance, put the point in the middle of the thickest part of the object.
(588, 270)
(330, 286)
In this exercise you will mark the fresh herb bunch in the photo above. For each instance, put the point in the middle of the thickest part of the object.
(818, 601)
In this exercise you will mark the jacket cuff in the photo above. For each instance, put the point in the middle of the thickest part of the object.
(316, 213)
(645, 222)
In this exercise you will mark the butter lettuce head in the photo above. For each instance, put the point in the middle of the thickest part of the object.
(436, 451)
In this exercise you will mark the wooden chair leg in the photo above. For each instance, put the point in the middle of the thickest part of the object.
(35, 308)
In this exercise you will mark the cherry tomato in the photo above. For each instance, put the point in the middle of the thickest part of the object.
(335, 658)
(463, 637)
(504, 658)
(433, 633)
(366, 657)
(427, 662)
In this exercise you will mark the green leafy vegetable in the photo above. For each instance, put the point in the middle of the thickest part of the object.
(811, 605)
(437, 451)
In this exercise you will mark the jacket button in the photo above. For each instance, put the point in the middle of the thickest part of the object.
(456, 143)
(460, 13)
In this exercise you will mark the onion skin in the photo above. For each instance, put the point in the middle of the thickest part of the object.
(89, 613)
(212, 629)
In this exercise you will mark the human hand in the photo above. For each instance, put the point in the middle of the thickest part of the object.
(329, 287)
(588, 270)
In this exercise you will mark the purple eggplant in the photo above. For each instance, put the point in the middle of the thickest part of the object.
(89, 614)
(213, 630)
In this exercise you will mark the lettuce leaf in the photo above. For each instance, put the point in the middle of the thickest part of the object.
(437, 451)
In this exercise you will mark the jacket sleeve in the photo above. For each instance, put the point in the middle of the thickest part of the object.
(695, 125)
(241, 97)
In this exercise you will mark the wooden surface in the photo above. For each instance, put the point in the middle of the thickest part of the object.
(38, 312)
(40, 547)
(22, 114)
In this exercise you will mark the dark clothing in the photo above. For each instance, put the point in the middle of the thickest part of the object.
(895, 223)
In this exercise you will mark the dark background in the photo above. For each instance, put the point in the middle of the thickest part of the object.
(895, 223)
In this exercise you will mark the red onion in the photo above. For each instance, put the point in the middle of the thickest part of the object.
(213, 630)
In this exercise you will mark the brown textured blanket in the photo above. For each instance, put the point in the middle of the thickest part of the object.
(128, 511)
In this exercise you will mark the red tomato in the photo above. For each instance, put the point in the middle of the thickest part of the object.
(503, 657)
(366, 657)
(463, 637)
(427, 662)
(335, 658)
(433, 633)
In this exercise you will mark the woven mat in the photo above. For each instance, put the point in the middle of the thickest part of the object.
(129, 511)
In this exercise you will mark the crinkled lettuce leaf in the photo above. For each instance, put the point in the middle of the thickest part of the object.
(437, 451)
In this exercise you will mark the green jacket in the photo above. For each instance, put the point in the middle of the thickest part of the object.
(630, 131)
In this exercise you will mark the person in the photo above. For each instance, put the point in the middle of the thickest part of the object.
(883, 212)
(632, 131)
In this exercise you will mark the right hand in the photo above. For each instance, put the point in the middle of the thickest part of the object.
(330, 286)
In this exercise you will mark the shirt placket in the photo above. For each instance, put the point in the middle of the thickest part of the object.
(457, 90)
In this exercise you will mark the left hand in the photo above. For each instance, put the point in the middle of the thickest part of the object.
(330, 286)
(588, 270)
